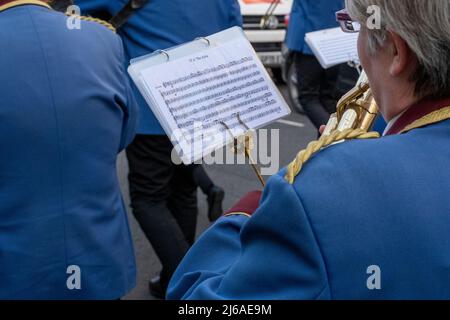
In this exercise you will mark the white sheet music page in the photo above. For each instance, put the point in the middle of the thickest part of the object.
(200, 98)
(333, 46)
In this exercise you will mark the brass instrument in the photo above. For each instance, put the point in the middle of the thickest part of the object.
(355, 116)
(356, 110)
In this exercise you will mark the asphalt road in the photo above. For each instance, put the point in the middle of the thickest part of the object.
(294, 134)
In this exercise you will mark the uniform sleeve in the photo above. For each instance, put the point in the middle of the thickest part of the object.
(273, 255)
(235, 14)
(130, 107)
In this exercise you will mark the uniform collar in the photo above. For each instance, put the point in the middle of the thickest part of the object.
(423, 113)
(8, 4)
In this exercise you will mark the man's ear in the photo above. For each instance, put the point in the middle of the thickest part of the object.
(401, 55)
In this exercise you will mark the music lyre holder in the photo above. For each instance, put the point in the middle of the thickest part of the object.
(244, 144)
(167, 55)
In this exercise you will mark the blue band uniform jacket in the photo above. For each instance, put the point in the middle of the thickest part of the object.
(66, 111)
(356, 207)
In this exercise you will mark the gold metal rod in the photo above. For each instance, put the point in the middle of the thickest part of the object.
(255, 168)
(247, 152)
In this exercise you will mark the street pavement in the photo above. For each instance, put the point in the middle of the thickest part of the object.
(295, 132)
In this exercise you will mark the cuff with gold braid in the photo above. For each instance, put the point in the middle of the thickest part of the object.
(246, 206)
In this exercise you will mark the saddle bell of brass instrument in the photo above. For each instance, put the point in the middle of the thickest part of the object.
(355, 110)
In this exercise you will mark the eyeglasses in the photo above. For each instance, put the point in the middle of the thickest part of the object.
(348, 25)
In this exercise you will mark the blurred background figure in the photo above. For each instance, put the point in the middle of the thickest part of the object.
(319, 90)
(164, 195)
(214, 194)
(66, 111)
(61, 5)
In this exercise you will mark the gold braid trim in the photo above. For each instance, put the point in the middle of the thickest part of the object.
(21, 3)
(314, 147)
(99, 21)
(44, 4)
(434, 117)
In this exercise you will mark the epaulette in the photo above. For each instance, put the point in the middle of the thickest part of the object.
(99, 21)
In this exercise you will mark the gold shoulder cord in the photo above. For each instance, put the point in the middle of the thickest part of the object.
(294, 169)
(355, 114)
(99, 21)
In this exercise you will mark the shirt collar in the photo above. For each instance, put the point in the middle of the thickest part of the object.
(391, 123)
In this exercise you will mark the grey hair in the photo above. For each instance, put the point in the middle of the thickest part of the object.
(425, 26)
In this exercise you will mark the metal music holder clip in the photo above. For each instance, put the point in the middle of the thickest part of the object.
(164, 52)
(204, 39)
(245, 144)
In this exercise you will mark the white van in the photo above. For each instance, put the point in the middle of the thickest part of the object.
(267, 38)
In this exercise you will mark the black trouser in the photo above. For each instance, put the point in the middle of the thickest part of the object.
(317, 88)
(163, 198)
(202, 179)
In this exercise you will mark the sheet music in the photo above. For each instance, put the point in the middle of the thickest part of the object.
(207, 90)
(333, 46)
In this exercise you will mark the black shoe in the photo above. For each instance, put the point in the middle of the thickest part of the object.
(215, 198)
(156, 289)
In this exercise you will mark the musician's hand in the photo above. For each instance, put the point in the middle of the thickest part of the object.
(248, 204)
(322, 129)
